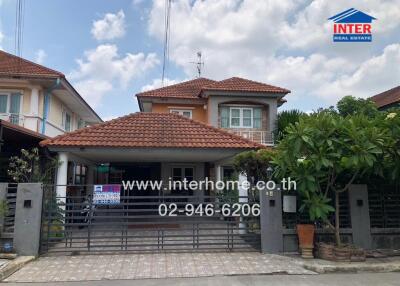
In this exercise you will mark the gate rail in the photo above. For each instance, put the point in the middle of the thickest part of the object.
(73, 223)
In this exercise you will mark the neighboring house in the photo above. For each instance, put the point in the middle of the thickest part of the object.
(35, 103)
(40, 99)
(387, 99)
(238, 105)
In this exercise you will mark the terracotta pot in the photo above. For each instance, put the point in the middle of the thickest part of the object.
(305, 233)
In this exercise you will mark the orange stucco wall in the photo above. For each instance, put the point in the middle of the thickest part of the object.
(198, 112)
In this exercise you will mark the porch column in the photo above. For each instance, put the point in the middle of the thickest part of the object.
(90, 175)
(34, 108)
(62, 173)
(243, 193)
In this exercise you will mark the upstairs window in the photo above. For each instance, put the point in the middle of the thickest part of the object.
(241, 117)
(66, 121)
(10, 103)
(184, 112)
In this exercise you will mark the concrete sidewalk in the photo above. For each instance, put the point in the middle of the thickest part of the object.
(365, 279)
(162, 265)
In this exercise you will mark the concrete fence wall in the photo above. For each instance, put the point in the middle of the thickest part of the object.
(274, 238)
(28, 217)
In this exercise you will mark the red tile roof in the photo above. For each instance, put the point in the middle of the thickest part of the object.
(11, 65)
(21, 129)
(241, 84)
(151, 130)
(194, 88)
(187, 89)
(388, 97)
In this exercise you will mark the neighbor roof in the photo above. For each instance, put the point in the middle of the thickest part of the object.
(388, 97)
(11, 65)
(194, 88)
(22, 130)
(151, 130)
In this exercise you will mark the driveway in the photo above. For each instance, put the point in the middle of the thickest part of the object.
(162, 265)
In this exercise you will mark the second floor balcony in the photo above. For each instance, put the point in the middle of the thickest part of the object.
(261, 137)
(13, 118)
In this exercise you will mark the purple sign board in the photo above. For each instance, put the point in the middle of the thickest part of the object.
(106, 194)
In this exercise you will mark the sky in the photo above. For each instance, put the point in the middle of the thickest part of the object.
(111, 50)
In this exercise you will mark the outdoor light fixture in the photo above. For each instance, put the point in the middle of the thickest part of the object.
(270, 171)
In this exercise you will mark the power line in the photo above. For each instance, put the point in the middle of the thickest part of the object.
(167, 17)
(19, 27)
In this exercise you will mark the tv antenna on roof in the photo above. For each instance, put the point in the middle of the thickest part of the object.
(199, 64)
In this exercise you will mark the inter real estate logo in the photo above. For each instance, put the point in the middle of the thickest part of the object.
(352, 26)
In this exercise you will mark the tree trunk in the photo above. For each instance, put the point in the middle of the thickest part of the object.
(337, 224)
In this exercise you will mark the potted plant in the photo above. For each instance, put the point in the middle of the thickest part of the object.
(325, 153)
(305, 233)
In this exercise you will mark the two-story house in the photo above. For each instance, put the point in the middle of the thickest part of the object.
(36, 103)
(187, 130)
(40, 99)
(243, 107)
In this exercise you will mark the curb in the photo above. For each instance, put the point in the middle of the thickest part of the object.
(14, 265)
(354, 268)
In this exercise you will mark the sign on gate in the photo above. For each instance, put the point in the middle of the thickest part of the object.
(106, 194)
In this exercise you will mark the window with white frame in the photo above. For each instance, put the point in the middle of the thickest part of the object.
(11, 104)
(66, 120)
(240, 117)
(184, 112)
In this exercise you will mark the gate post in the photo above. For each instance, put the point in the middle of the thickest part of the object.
(271, 221)
(3, 196)
(359, 212)
(28, 217)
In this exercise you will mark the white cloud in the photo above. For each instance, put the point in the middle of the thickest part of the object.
(112, 26)
(286, 42)
(104, 69)
(157, 83)
(110, 117)
(375, 75)
(93, 90)
(40, 56)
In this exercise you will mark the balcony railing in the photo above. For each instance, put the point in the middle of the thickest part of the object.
(262, 137)
(14, 118)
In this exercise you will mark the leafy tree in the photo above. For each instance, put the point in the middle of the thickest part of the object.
(349, 105)
(28, 168)
(325, 153)
(254, 163)
(286, 118)
(390, 163)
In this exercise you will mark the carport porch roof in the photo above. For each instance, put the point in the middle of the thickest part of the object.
(151, 137)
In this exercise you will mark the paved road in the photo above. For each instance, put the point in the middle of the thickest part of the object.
(364, 279)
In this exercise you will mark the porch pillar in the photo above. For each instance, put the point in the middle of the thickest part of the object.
(62, 175)
(90, 175)
(243, 193)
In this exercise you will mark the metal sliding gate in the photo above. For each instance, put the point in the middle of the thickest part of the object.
(75, 224)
